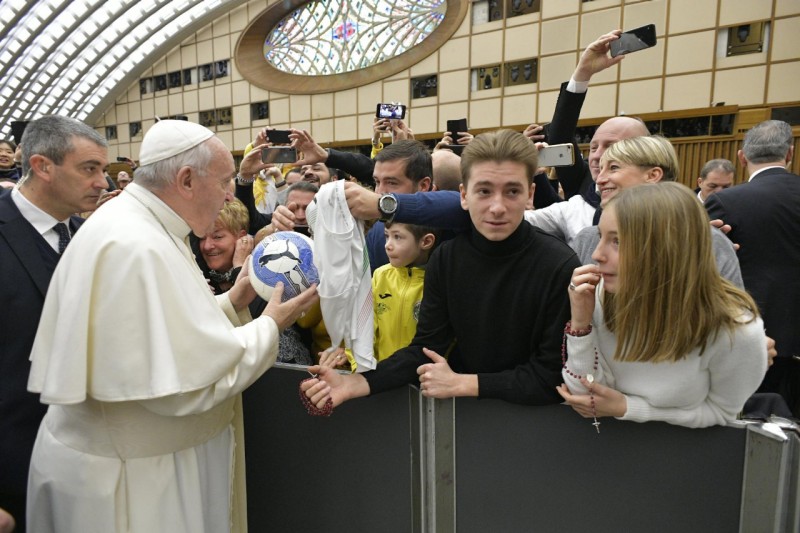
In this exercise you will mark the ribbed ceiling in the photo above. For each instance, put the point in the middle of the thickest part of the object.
(75, 58)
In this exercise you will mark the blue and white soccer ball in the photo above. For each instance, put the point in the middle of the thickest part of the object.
(285, 256)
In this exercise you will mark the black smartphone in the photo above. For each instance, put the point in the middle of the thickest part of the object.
(634, 40)
(278, 154)
(279, 136)
(122, 159)
(454, 126)
(390, 111)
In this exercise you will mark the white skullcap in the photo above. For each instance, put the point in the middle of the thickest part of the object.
(168, 138)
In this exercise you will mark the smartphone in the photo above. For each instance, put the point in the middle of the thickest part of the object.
(278, 154)
(558, 155)
(122, 159)
(634, 40)
(454, 126)
(279, 136)
(390, 111)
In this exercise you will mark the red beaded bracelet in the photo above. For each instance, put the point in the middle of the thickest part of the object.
(590, 378)
(576, 333)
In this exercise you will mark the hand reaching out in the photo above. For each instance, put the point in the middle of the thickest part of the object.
(312, 152)
(607, 401)
(286, 313)
(534, 132)
(596, 57)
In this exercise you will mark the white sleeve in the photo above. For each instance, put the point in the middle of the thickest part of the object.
(736, 367)
(237, 319)
(584, 358)
(549, 219)
(259, 341)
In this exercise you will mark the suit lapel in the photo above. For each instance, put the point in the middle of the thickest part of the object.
(21, 239)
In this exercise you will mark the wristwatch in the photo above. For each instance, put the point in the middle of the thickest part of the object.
(387, 205)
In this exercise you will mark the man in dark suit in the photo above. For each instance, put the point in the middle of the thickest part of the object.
(764, 215)
(63, 161)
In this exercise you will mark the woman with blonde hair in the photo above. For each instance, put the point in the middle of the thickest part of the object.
(656, 333)
(637, 161)
(224, 250)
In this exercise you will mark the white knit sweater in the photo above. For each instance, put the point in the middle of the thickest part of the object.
(697, 391)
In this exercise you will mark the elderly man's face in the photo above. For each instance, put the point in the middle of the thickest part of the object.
(213, 189)
(123, 179)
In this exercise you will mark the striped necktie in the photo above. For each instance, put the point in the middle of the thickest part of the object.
(63, 236)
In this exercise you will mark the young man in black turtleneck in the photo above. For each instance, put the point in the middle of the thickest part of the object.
(495, 300)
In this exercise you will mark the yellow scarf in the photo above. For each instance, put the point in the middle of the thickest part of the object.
(259, 190)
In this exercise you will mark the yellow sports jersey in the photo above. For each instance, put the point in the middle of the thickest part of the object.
(397, 293)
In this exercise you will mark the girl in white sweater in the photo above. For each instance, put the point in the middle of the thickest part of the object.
(656, 333)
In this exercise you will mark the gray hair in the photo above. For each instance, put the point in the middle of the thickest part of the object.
(51, 136)
(302, 186)
(768, 142)
(156, 176)
(717, 164)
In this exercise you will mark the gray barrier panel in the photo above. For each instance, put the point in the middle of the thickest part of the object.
(770, 501)
(546, 469)
(347, 473)
(397, 462)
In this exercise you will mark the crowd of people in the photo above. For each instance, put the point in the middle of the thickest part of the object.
(618, 292)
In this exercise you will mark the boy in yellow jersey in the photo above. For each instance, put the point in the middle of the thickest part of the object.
(397, 287)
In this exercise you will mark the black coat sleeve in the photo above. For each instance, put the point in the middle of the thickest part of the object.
(575, 179)
(257, 219)
(357, 165)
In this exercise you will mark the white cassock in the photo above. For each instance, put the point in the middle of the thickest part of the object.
(143, 369)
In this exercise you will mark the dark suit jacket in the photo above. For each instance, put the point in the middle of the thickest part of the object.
(26, 266)
(764, 215)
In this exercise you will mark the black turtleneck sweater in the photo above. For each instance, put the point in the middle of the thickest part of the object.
(504, 305)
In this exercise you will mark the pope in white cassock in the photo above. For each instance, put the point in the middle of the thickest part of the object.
(143, 432)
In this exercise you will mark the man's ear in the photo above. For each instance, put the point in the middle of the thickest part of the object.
(742, 159)
(425, 184)
(699, 181)
(529, 201)
(427, 241)
(186, 182)
(42, 167)
(789, 155)
(654, 175)
(463, 191)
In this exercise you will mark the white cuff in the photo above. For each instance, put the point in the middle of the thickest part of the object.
(577, 87)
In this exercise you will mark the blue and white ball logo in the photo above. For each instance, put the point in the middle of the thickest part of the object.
(285, 256)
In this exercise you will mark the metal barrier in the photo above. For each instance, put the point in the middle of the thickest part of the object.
(398, 462)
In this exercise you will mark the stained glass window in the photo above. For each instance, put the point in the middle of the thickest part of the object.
(327, 37)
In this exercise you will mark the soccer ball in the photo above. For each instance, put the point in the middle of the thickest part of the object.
(285, 256)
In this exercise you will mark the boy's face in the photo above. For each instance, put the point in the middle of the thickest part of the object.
(495, 196)
(401, 246)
